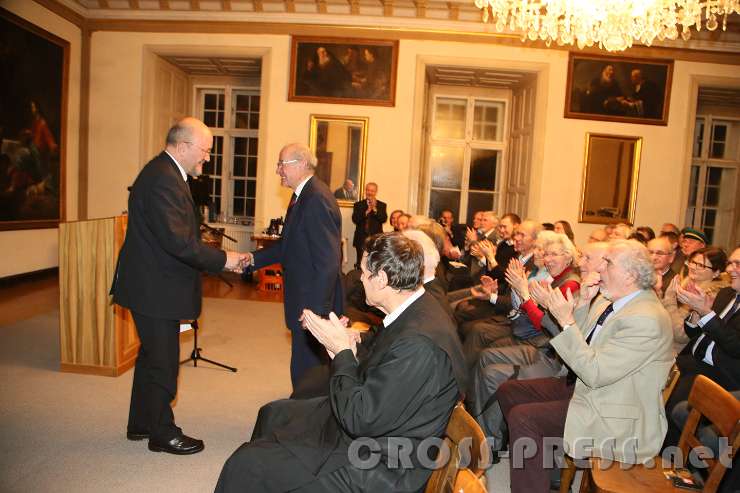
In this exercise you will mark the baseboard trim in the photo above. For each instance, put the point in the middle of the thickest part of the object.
(28, 276)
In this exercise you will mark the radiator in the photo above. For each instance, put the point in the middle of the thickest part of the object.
(242, 235)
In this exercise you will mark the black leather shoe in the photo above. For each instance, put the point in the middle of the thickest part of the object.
(180, 445)
(137, 435)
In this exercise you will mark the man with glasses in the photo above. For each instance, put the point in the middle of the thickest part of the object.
(158, 279)
(310, 253)
(662, 254)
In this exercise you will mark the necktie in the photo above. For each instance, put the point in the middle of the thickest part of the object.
(701, 349)
(571, 377)
(293, 200)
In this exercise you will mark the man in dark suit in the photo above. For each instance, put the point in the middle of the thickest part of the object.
(714, 350)
(310, 253)
(369, 215)
(158, 279)
(398, 386)
(346, 191)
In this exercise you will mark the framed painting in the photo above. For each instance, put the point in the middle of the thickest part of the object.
(33, 104)
(609, 191)
(340, 146)
(630, 90)
(344, 71)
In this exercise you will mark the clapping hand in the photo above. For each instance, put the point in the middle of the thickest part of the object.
(471, 235)
(561, 307)
(488, 250)
(695, 298)
(488, 286)
(589, 287)
(331, 333)
(517, 278)
(539, 292)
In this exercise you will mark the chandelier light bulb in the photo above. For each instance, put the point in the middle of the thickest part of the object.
(612, 24)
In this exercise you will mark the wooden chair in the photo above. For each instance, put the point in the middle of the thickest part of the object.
(461, 427)
(707, 399)
(467, 482)
(568, 474)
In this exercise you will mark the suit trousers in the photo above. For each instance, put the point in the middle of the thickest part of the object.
(534, 409)
(264, 465)
(155, 377)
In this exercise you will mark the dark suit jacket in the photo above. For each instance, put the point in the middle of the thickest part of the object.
(375, 221)
(405, 384)
(310, 252)
(158, 272)
(726, 336)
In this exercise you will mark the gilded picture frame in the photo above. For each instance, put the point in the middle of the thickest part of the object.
(610, 178)
(340, 146)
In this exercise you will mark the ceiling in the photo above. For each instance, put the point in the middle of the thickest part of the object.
(474, 77)
(441, 15)
(248, 68)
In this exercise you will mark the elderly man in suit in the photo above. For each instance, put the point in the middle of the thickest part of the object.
(158, 279)
(619, 352)
(310, 253)
(714, 350)
(397, 387)
(369, 215)
(662, 255)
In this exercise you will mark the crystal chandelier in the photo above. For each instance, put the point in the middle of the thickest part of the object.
(611, 24)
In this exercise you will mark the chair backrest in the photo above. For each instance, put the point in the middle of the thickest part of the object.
(466, 442)
(467, 482)
(722, 409)
(671, 382)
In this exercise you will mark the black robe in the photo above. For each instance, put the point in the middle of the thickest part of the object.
(406, 385)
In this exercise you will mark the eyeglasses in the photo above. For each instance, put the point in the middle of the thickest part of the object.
(659, 252)
(204, 151)
(697, 265)
(283, 162)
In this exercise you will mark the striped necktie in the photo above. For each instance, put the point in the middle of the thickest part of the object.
(293, 200)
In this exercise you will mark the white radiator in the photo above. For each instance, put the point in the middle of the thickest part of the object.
(242, 234)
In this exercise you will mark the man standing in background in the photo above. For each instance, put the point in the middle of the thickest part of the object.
(158, 279)
(310, 253)
(368, 215)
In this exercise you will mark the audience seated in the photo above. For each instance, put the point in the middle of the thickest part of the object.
(432, 284)
(404, 386)
(662, 254)
(713, 327)
(705, 272)
(689, 241)
(563, 227)
(618, 348)
(525, 353)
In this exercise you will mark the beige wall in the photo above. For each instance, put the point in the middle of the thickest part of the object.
(118, 150)
(31, 250)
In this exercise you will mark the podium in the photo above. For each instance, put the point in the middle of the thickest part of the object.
(95, 336)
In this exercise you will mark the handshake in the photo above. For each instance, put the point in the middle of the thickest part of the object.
(237, 262)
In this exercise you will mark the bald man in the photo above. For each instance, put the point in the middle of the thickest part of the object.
(158, 279)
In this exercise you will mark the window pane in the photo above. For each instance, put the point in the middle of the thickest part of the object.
(220, 119)
(446, 164)
(711, 197)
(252, 167)
(252, 146)
(483, 169)
(443, 199)
(714, 175)
(478, 201)
(209, 101)
(240, 146)
(238, 188)
(249, 211)
(221, 102)
(254, 121)
(217, 154)
(242, 102)
(240, 166)
(255, 103)
(238, 206)
(698, 137)
(693, 187)
(488, 120)
(241, 120)
(719, 139)
(209, 118)
(251, 188)
(449, 122)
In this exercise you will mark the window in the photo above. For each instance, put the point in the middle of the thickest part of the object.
(232, 114)
(713, 178)
(465, 157)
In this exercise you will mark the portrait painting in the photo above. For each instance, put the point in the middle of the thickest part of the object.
(346, 71)
(32, 134)
(630, 90)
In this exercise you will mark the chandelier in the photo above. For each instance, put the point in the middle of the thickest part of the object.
(611, 24)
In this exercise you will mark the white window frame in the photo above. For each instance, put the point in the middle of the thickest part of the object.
(227, 133)
(468, 143)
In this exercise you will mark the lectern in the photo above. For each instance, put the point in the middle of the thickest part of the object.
(95, 336)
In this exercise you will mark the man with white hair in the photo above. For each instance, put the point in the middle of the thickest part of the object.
(431, 259)
(310, 253)
(619, 350)
(662, 255)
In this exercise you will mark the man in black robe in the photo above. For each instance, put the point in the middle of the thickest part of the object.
(401, 390)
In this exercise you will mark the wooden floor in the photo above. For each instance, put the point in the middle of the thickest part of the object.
(24, 298)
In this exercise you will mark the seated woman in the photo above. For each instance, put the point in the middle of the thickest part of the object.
(706, 272)
(525, 354)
